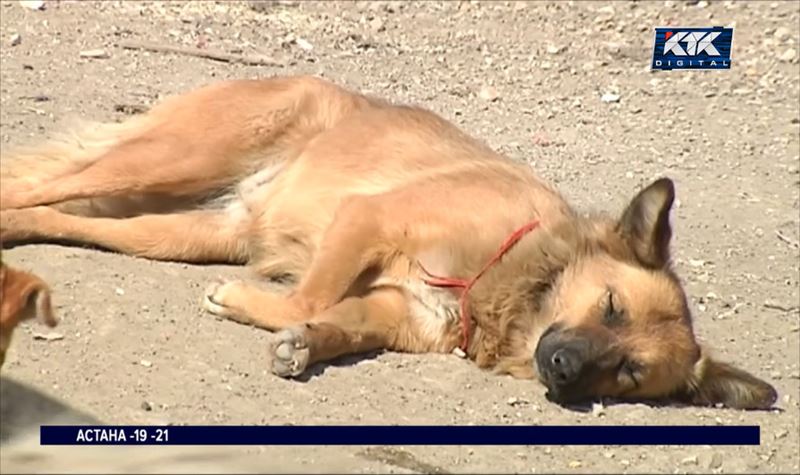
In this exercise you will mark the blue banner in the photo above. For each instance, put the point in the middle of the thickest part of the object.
(400, 435)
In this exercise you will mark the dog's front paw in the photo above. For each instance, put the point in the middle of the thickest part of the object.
(288, 354)
(221, 299)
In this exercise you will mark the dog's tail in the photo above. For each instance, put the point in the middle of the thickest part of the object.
(66, 153)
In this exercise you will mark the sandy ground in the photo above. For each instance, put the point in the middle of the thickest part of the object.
(527, 78)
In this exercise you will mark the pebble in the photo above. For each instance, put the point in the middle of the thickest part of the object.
(610, 97)
(716, 461)
(48, 336)
(788, 55)
(692, 460)
(147, 406)
(781, 434)
(15, 40)
(553, 49)
(94, 54)
(575, 464)
(377, 25)
(608, 9)
(146, 363)
(488, 93)
(598, 409)
(304, 44)
(119, 291)
(32, 4)
(782, 33)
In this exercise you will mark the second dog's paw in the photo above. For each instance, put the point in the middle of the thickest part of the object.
(288, 354)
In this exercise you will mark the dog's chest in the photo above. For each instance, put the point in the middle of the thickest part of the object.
(435, 311)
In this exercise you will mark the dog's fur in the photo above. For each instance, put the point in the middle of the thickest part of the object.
(23, 296)
(350, 196)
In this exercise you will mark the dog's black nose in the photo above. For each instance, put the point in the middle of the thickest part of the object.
(565, 366)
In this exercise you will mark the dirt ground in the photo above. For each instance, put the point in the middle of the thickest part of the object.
(525, 77)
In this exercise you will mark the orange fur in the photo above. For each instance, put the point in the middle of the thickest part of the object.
(22, 296)
(346, 194)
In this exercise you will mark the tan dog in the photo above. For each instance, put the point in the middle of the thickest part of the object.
(354, 197)
(23, 296)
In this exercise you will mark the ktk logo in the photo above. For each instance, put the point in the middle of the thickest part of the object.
(681, 47)
(696, 42)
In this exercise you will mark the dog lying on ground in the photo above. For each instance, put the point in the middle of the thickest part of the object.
(363, 203)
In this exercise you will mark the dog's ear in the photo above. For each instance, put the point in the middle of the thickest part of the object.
(24, 296)
(645, 223)
(715, 383)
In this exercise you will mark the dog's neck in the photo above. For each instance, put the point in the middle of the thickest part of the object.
(511, 303)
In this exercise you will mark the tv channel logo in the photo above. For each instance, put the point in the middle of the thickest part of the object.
(692, 48)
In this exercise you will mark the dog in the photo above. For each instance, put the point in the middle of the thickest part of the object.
(23, 296)
(399, 231)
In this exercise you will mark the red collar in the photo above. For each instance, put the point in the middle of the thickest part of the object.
(467, 284)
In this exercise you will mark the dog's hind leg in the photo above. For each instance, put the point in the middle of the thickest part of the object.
(196, 236)
(167, 165)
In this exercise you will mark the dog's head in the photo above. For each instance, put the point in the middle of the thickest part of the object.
(622, 327)
(22, 296)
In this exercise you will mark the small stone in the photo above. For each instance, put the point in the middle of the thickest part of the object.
(598, 409)
(488, 93)
(15, 40)
(48, 336)
(575, 464)
(781, 434)
(716, 461)
(692, 460)
(119, 291)
(788, 55)
(147, 406)
(608, 10)
(304, 44)
(702, 4)
(94, 54)
(776, 375)
(629, 175)
(609, 454)
(32, 4)
(146, 363)
(553, 49)
(610, 97)
(794, 375)
(377, 25)
(782, 33)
